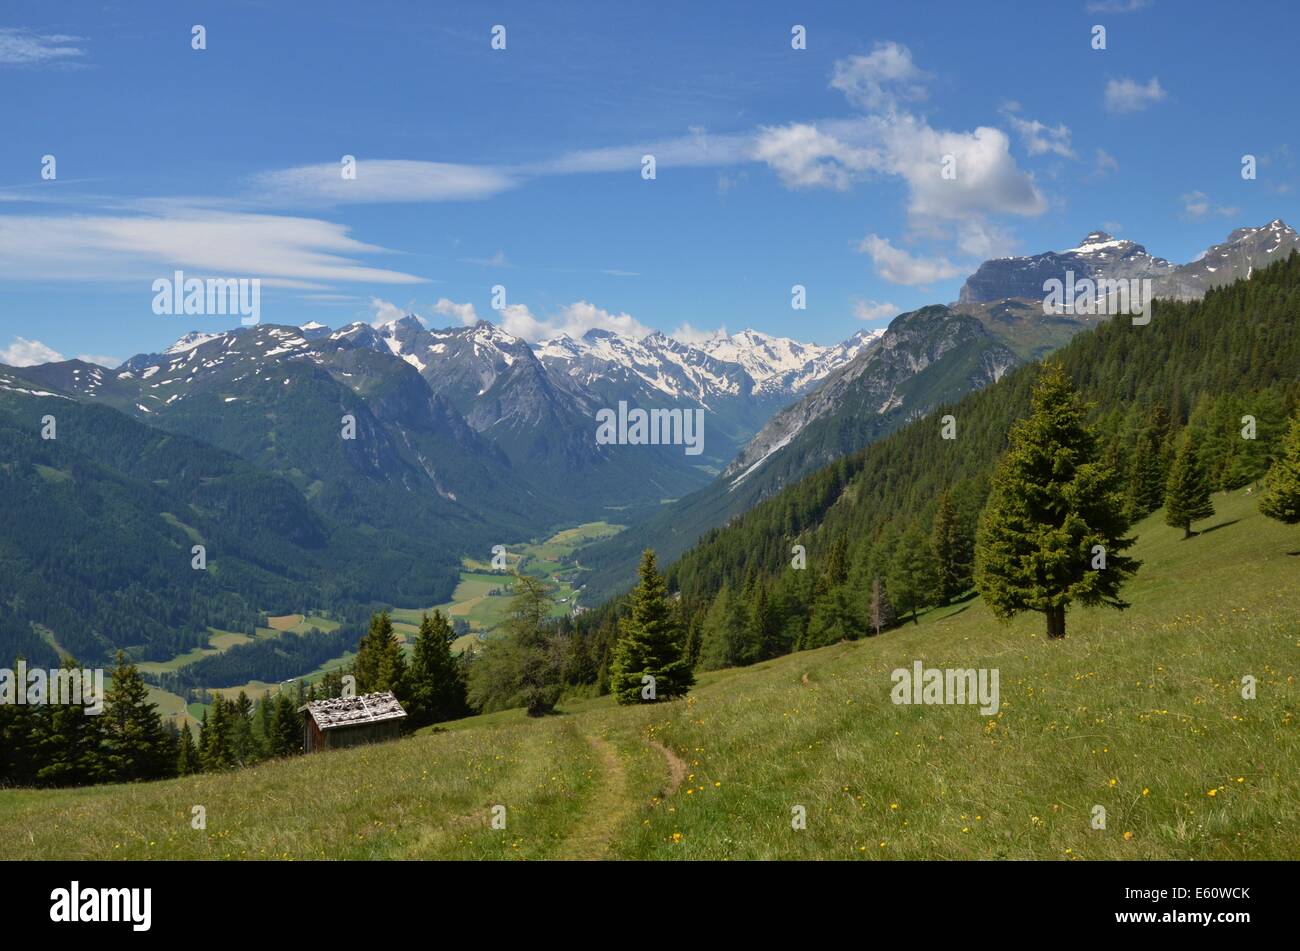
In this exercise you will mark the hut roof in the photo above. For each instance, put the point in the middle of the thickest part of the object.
(355, 711)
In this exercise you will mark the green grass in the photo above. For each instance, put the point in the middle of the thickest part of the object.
(1138, 711)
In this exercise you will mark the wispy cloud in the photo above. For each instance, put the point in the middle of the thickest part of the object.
(869, 310)
(379, 181)
(1197, 205)
(19, 47)
(1129, 95)
(1038, 137)
(280, 250)
(901, 267)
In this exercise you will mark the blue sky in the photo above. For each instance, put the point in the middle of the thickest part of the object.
(522, 167)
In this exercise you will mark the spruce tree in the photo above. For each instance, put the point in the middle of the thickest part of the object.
(380, 662)
(953, 551)
(136, 745)
(651, 643)
(912, 579)
(1051, 502)
(1281, 497)
(186, 755)
(66, 742)
(880, 610)
(1187, 494)
(436, 690)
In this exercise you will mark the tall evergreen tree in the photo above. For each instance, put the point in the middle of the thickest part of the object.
(187, 760)
(912, 579)
(380, 662)
(953, 551)
(1281, 497)
(67, 742)
(880, 611)
(652, 643)
(525, 666)
(1051, 502)
(136, 744)
(435, 688)
(1187, 495)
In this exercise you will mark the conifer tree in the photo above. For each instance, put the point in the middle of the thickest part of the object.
(880, 611)
(525, 666)
(912, 578)
(953, 551)
(1051, 502)
(726, 640)
(135, 743)
(435, 690)
(186, 755)
(1281, 497)
(380, 662)
(286, 727)
(1187, 494)
(651, 644)
(66, 742)
(219, 753)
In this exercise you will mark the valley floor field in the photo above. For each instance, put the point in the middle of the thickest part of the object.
(1140, 712)
(482, 599)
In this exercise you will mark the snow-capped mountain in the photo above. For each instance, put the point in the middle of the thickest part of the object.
(1102, 257)
(1098, 255)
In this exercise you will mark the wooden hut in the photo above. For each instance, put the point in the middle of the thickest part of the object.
(351, 721)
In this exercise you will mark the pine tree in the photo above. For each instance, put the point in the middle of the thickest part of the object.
(953, 551)
(137, 747)
(436, 690)
(219, 753)
(380, 662)
(1281, 497)
(912, 579)
(286, 727)
(242, 743)
(880, 612)
(186, 756)
(726, 640)
(651, 643)
(525, 666)
(835, 617)
(66, 742)
(1051, 502)
(1187, 495)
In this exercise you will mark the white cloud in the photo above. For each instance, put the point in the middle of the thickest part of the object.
(464, 313)
(1198, 205)
(901, 267)
(869, 310)
(384, 312)
(694, 335)
(978, 238)
(574, 319)
(103, 361)
(24, 48)
(881, 79)
(1116, 6)
(282, 251)
(1128, 95)
(1104, 164)
(1039, 138)
(804, 157)
(986, 178)
(26, 353)
(379, 181)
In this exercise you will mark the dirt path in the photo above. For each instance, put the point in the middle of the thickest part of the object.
(676, 767)
(610, 806)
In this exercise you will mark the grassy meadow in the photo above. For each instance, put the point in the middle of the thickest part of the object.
(1139, 711)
